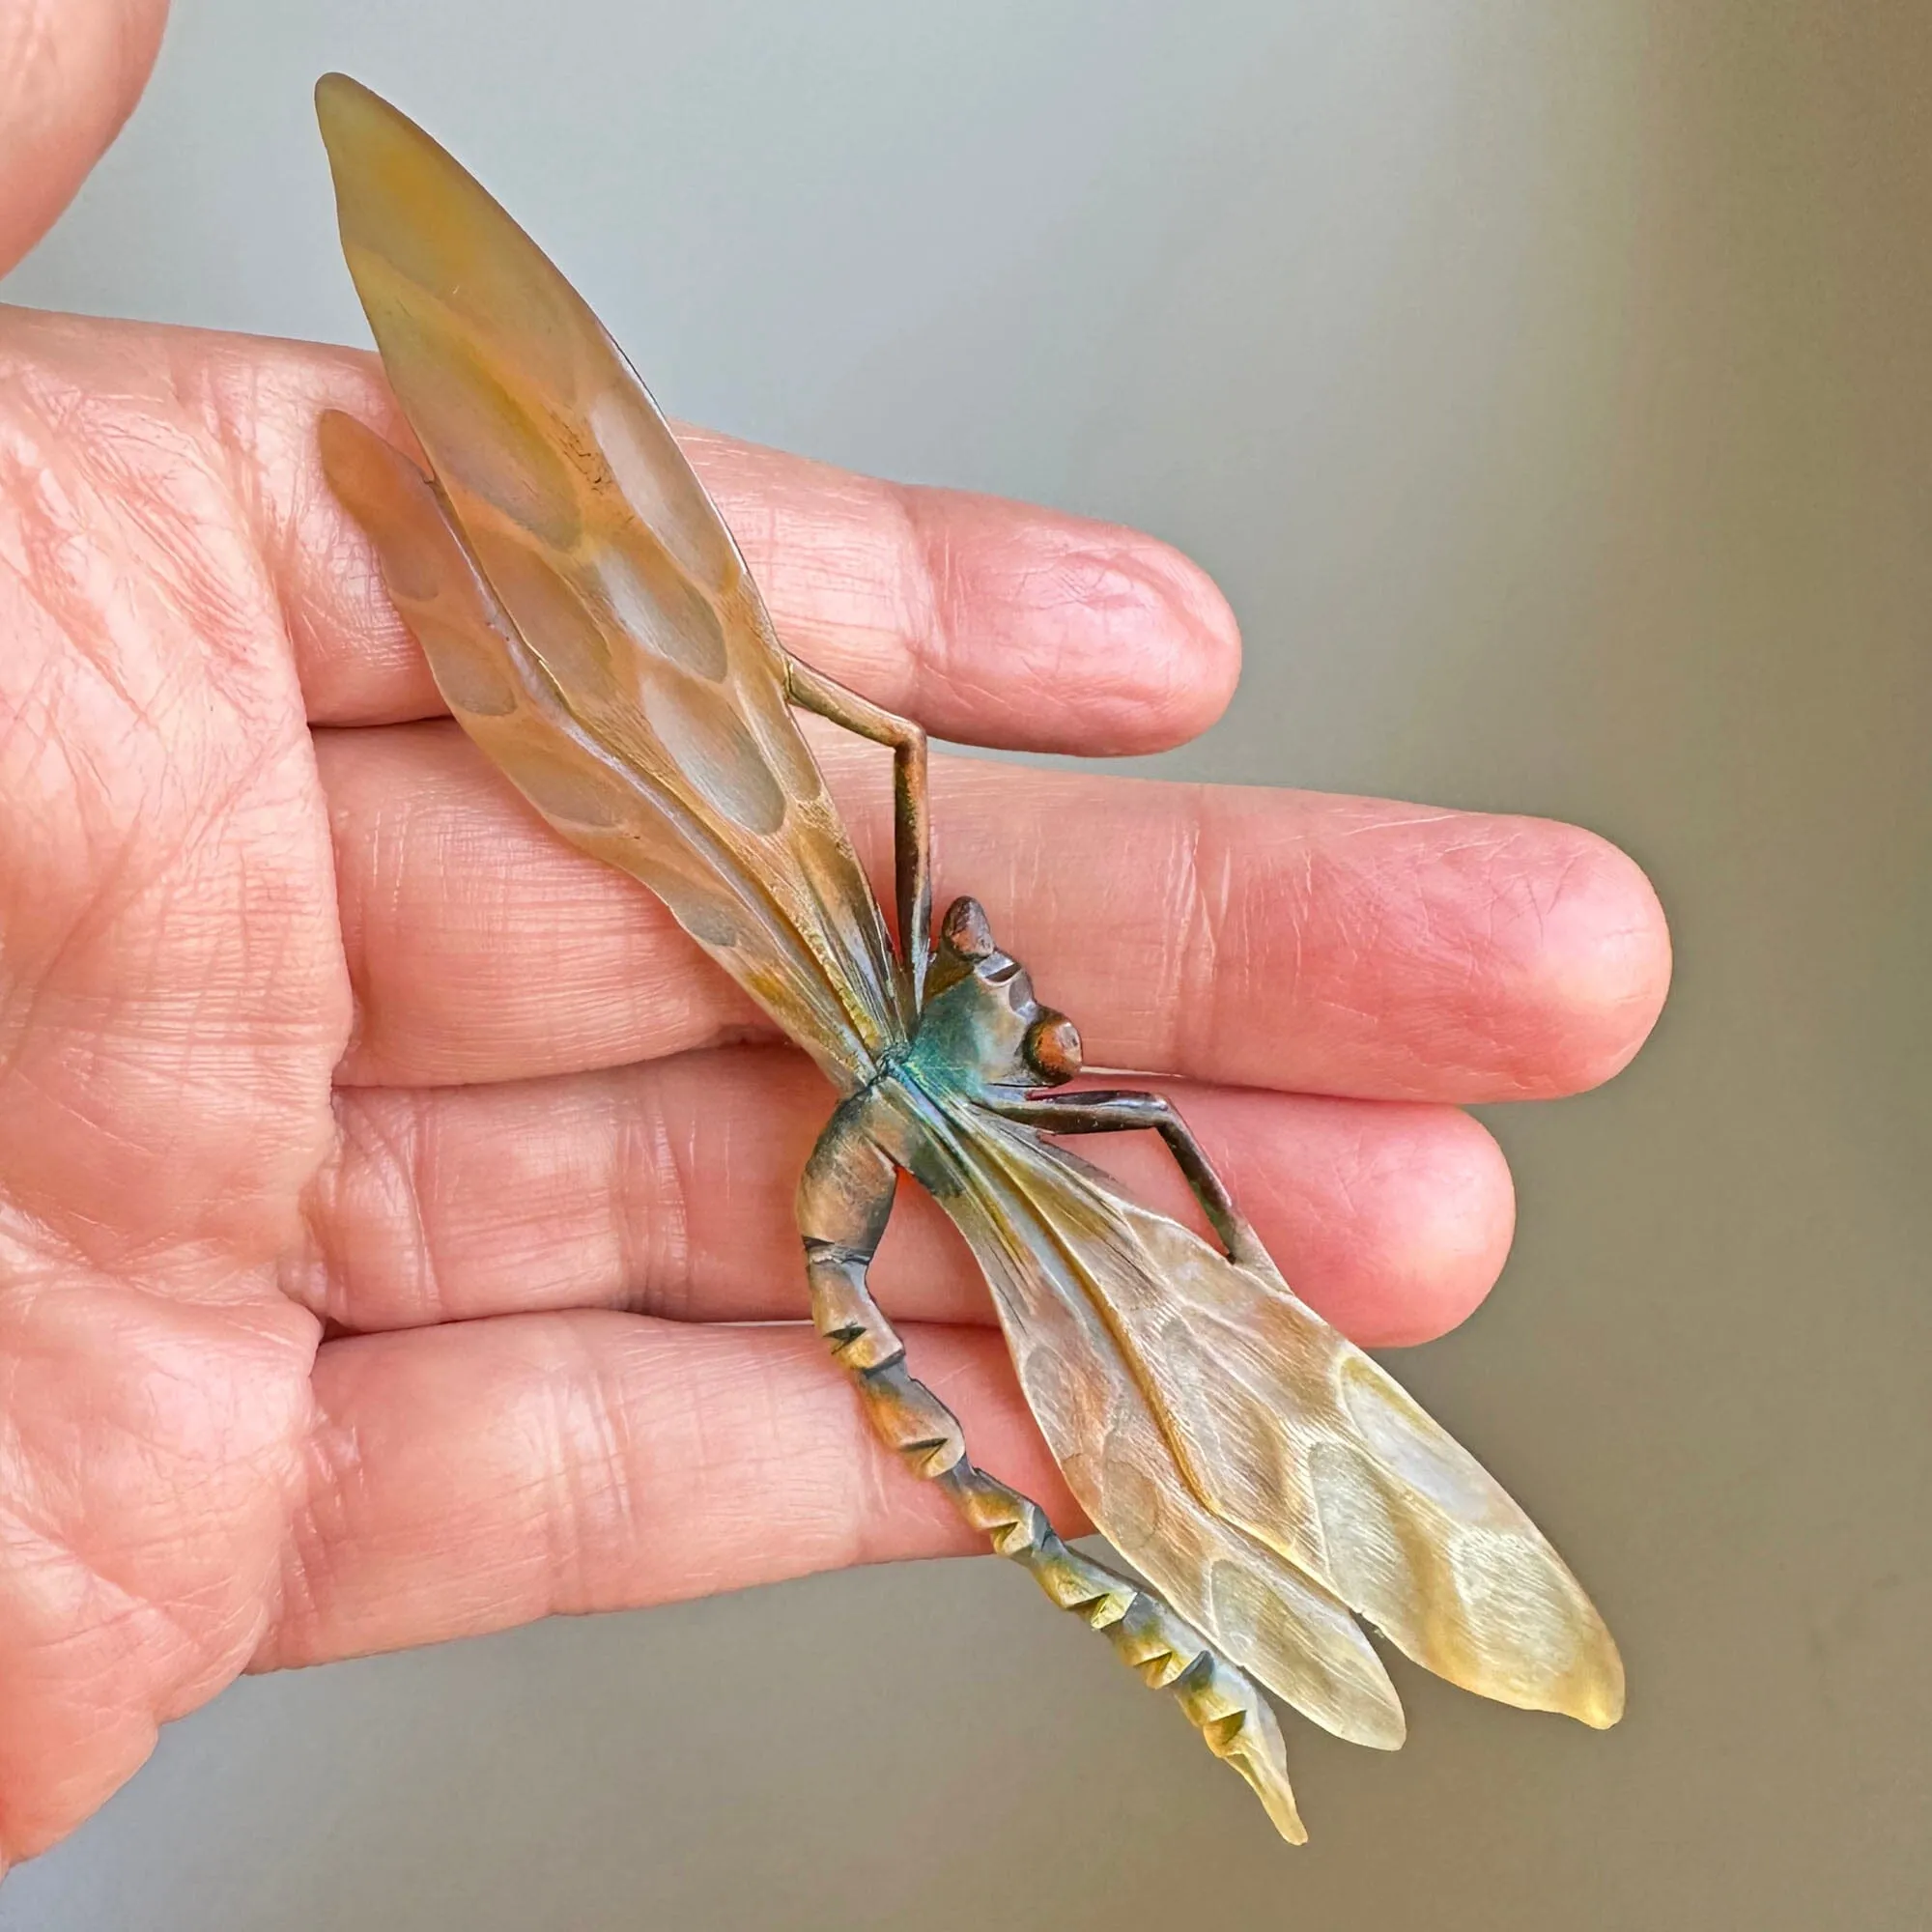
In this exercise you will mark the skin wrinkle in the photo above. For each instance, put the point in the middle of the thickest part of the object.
(226, 395)
(184, 548)
(53, 592)
(307, 1258)
(565, 1258)
(227, 628)
(926, 590)
(592, 1459)
(32, 1259)
(174, 1422)
(191, 1639)
(146, 1150)
(177, 1459)
(518, 865)
(375, 1147)
(1195, 921)
(1044, 581)
(1088, 580)
(243, 778)
(30, 714)
(412, 1153)
(1375, 827)
(864, 1543)
(668, 1230)
(757, 1444)
(96, 1609)
(320, 1520)
(627, 1203)
(229, 393)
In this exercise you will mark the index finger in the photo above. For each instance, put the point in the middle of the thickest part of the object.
(991, 622)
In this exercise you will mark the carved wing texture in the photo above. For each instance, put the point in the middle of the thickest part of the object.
(1253, 1463)
(569, 559)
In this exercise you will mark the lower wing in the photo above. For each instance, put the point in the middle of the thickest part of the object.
(1259, 1467)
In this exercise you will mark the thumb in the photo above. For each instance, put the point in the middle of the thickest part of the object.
(70, 71)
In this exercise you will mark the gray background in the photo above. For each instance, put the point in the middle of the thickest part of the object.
(1551, 387)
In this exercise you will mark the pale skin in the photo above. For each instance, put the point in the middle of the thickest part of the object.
(380, 1178)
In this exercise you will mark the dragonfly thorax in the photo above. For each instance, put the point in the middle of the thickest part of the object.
(980, 1025)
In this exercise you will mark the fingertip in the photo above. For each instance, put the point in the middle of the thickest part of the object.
(1603, 965)
(1056, 633)
(73, 77)
(1451, 1230)
(1162, 623)
(1430, 1216)
(1135, 639)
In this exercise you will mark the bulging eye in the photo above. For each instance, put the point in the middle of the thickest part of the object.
(1052, 1048)
(967, 931)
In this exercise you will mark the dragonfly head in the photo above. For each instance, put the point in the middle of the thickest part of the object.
(981, 1017)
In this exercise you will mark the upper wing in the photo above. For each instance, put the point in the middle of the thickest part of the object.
(1175, 1386)
(597, 557)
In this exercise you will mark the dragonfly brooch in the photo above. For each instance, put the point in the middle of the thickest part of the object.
(592, 626)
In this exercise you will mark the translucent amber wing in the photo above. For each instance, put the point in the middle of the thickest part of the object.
(1262, 1612)
(508, 701)
(1175, 1385)
(603, 557)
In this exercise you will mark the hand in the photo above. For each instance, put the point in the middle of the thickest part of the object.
(379, 1177)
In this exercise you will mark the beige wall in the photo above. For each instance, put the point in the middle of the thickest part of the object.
(1551, 387)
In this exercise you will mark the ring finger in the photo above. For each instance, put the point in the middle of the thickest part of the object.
(667, 1187)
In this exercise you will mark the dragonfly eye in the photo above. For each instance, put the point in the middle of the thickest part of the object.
(966, 930)
(1052, 1048)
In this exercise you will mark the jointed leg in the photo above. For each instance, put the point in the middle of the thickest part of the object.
(1113, 1113)
(843, 1203)
(912, 832)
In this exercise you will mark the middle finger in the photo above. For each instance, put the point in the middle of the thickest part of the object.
(1268, 938)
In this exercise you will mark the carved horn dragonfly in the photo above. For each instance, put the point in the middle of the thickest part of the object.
(592, 626)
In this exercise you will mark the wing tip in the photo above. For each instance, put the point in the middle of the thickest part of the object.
(336, 94)
(1250, 1742)
(1598, 1700)
(1390, 1735)
(1587, 1684)
(357, 462)
(350, 114)
(335, 90)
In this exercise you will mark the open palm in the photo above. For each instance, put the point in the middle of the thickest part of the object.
(386, 1190)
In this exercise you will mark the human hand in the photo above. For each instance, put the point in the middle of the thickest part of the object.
(380, 1181)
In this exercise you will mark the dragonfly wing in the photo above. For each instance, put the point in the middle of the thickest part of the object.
(1273, 1423)
(1263, 1612)
(504, 698)
(601, 557)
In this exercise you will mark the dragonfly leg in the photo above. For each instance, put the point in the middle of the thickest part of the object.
(1114, 1113)
(912, 826)
(843, 1204)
